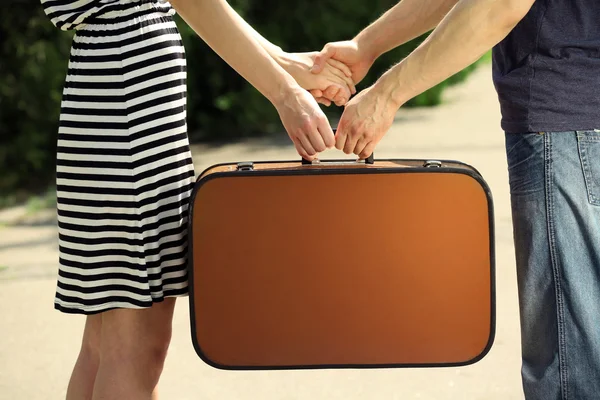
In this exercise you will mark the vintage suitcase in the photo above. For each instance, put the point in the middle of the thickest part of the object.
(341, 264)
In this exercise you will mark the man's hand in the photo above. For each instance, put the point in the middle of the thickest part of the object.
(334, 83)
(305, 123)
(366, 119)
(349, 52)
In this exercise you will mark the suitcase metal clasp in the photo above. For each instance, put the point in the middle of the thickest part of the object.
(432, 164)
(245, 166)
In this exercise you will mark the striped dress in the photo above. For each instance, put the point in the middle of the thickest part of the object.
(124, 167)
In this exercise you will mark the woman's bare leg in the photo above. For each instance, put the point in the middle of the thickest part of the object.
(81, 384)
(133, 348)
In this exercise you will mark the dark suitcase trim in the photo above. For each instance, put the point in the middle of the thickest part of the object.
(471, 172)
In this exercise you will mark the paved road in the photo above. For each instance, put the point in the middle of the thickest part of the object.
(38, 345)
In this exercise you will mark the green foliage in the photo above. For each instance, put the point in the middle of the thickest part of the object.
(43, 201)
(221, 104)
(33, 65)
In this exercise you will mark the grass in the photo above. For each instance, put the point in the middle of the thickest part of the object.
(3, 268)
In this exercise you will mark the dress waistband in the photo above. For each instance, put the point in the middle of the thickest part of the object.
(125, 10)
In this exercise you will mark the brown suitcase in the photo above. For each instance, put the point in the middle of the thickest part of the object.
(341, 264)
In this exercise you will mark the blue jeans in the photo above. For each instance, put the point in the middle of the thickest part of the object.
(555, 198)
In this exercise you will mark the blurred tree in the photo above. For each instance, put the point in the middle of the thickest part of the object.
(33, 64)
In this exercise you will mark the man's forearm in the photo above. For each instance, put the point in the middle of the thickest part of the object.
(463, 36)
(405, 21)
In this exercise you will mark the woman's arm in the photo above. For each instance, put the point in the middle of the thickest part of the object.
(219, 26)
(269, 47)
(335, 83)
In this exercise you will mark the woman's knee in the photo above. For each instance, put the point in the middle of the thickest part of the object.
(137, 337)
(90, 344)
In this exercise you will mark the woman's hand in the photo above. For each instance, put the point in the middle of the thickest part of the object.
(333, 83)
(217, 23)
(305, 122)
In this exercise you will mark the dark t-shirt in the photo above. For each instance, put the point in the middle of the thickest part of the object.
(547, 70)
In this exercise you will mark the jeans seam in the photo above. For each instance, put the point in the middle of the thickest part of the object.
(562, 362)
(586, 168)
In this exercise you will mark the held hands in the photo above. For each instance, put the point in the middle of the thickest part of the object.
(348, 52)
(330, 76)
(334, 81)
(369, 115)
(303, 119)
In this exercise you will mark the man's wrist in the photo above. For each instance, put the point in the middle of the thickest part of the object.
(367, 45)
(389, 86)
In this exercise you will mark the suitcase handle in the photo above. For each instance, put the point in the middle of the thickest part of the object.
(368, 160)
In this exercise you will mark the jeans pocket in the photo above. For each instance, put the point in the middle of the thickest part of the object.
(525, 157)
(588, 143)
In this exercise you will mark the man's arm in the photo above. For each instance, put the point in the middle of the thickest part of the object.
(405, 21)
(471, 29)
(463, 36)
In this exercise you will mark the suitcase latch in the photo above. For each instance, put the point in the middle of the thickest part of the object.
(245, 166)
(432, 164)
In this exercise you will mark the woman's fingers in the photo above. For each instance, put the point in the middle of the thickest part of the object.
(305, 123)
(331, 92)
(306, 144)
(300, 149)
(324, 101)
(342, 96)
(341, 66)
(334, 69)
(318, 95)
(316, 140)
(326, 132)
(334, 75)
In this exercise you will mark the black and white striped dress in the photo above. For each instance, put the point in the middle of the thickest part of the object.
(124, 167)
